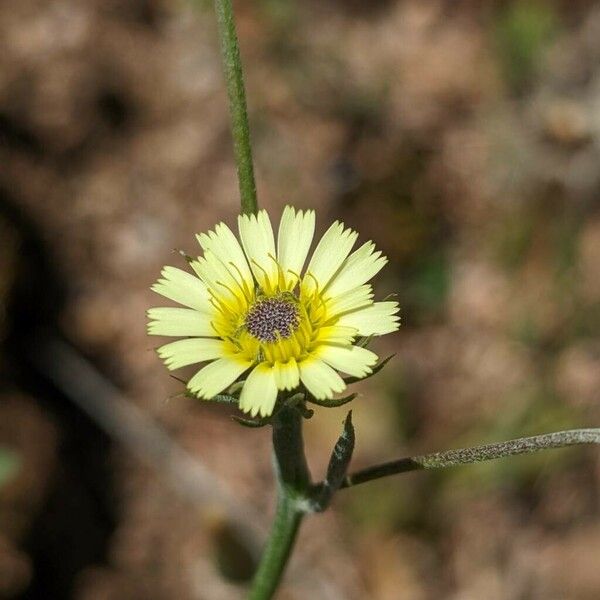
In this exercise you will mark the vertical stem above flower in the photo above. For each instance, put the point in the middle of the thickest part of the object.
(232, 67)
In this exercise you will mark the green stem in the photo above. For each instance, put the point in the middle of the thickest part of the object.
(232, 67)
(278, 549)
(476, 454)
(293, 483)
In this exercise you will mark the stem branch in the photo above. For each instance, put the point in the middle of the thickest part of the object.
(232, 67)
(463, 456)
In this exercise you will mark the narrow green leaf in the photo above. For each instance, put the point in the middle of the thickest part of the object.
(251, 423)
(333, 402)
(338, 466)
(224, 399)
(341, 455)
(476, 454)
(219, 399)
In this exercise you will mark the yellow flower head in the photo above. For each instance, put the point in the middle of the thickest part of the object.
(250, 306)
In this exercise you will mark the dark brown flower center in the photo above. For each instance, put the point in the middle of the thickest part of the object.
(272, 319)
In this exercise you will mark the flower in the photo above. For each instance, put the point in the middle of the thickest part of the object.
(249, 307)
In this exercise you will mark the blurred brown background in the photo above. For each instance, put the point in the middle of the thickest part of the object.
(462, 136)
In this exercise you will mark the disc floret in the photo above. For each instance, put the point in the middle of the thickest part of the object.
(271, 319)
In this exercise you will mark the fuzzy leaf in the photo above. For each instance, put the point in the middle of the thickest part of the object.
(476, 454)
(341, 455)
(333, 402)
(224, 399)
(219, 399)
(338, 466)
(251, 423)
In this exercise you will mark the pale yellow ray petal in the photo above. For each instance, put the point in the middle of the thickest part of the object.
(287, 375)
(224, 285)
(258, 242)
(320, 379)
(225, 246)
(184, 322)
(296, 231)
(361, 266)
(216, 376)
(336, 334)
(259, 393)
(330, 253)
(190, 351)
(184, 288)
(359, 297)
(354, 360)
(377, 319)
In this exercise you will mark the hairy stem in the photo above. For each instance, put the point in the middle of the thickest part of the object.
(463, 456)
(232, 67)
(278, 549)
(293, 482)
